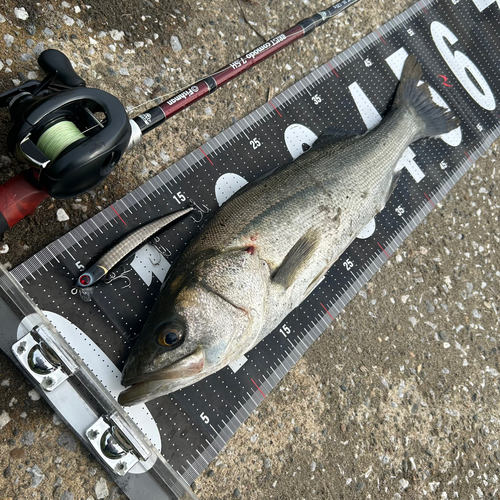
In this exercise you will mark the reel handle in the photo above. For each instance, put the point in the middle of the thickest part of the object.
(51, 60)
(19, 197)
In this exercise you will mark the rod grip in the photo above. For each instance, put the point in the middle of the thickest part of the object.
(19, 197)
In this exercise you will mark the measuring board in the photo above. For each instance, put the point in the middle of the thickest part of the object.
(458, 44)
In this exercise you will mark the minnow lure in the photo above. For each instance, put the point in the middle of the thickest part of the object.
(130, 242)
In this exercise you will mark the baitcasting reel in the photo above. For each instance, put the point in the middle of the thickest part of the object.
(72, 137)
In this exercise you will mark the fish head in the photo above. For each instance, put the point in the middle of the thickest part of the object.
(201, 321)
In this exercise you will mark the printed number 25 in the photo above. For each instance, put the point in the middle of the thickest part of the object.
(255, 143)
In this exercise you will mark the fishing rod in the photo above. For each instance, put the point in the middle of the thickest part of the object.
(58, 132)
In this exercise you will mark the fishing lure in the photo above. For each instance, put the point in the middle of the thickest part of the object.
(101, 268)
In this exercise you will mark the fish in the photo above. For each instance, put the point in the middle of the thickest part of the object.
(267, 247)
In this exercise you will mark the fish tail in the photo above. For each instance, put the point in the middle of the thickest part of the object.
(435, 119)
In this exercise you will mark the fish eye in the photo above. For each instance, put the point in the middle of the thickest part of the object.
(169, 334)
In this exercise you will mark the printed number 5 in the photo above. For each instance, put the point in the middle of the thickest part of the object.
(203, 417)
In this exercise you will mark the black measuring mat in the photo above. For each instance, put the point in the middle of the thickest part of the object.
(458, 45)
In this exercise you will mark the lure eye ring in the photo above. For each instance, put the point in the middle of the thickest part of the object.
(85, 280)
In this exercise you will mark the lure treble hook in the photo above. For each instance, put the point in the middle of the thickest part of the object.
(113, 276)
(203, 210)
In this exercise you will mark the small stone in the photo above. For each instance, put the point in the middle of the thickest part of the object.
(37, 475)
(429, 306)
(211, 472)
(149, 82)
(9, 40)
(101, 489)
(2, 19)
(296, 429)
(360, 486)
(69, 21)
(313, 466)
(62, 215)
(30, 28)
(175, 43)
(26, 57)
(117, 35)
(123, 71)
(21, 13)
(194, 486)
(33, 394)
(404, 483)
(267, 463)
(442, 335)
(208, 111)
(414, 408)
(237, 493)
(18, 454)
(48, 32)
(7, 472)
(344, 388)
(4, 248)
(28, 438)
(66, 441)
(4, 419)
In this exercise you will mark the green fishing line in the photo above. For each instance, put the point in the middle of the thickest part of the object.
(57, 138)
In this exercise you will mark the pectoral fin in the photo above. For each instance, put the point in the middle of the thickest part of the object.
(296, 259)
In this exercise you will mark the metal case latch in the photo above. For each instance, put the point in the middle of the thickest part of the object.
(116, 444)
(40, 360)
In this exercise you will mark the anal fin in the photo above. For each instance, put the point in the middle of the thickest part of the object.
(392, 187)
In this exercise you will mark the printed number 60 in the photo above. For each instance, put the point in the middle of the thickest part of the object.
(459, 63)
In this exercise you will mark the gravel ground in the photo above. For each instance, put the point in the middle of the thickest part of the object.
(399, 399)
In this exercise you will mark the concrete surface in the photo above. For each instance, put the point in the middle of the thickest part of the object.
(399, 399)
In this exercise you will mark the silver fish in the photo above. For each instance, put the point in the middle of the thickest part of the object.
(268, 247)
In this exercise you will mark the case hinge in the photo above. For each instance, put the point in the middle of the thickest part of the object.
(116, 444)
(40, 360)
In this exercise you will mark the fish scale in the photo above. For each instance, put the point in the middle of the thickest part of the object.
(196, 423)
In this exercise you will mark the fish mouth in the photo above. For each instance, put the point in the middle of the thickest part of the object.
(151, 385)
